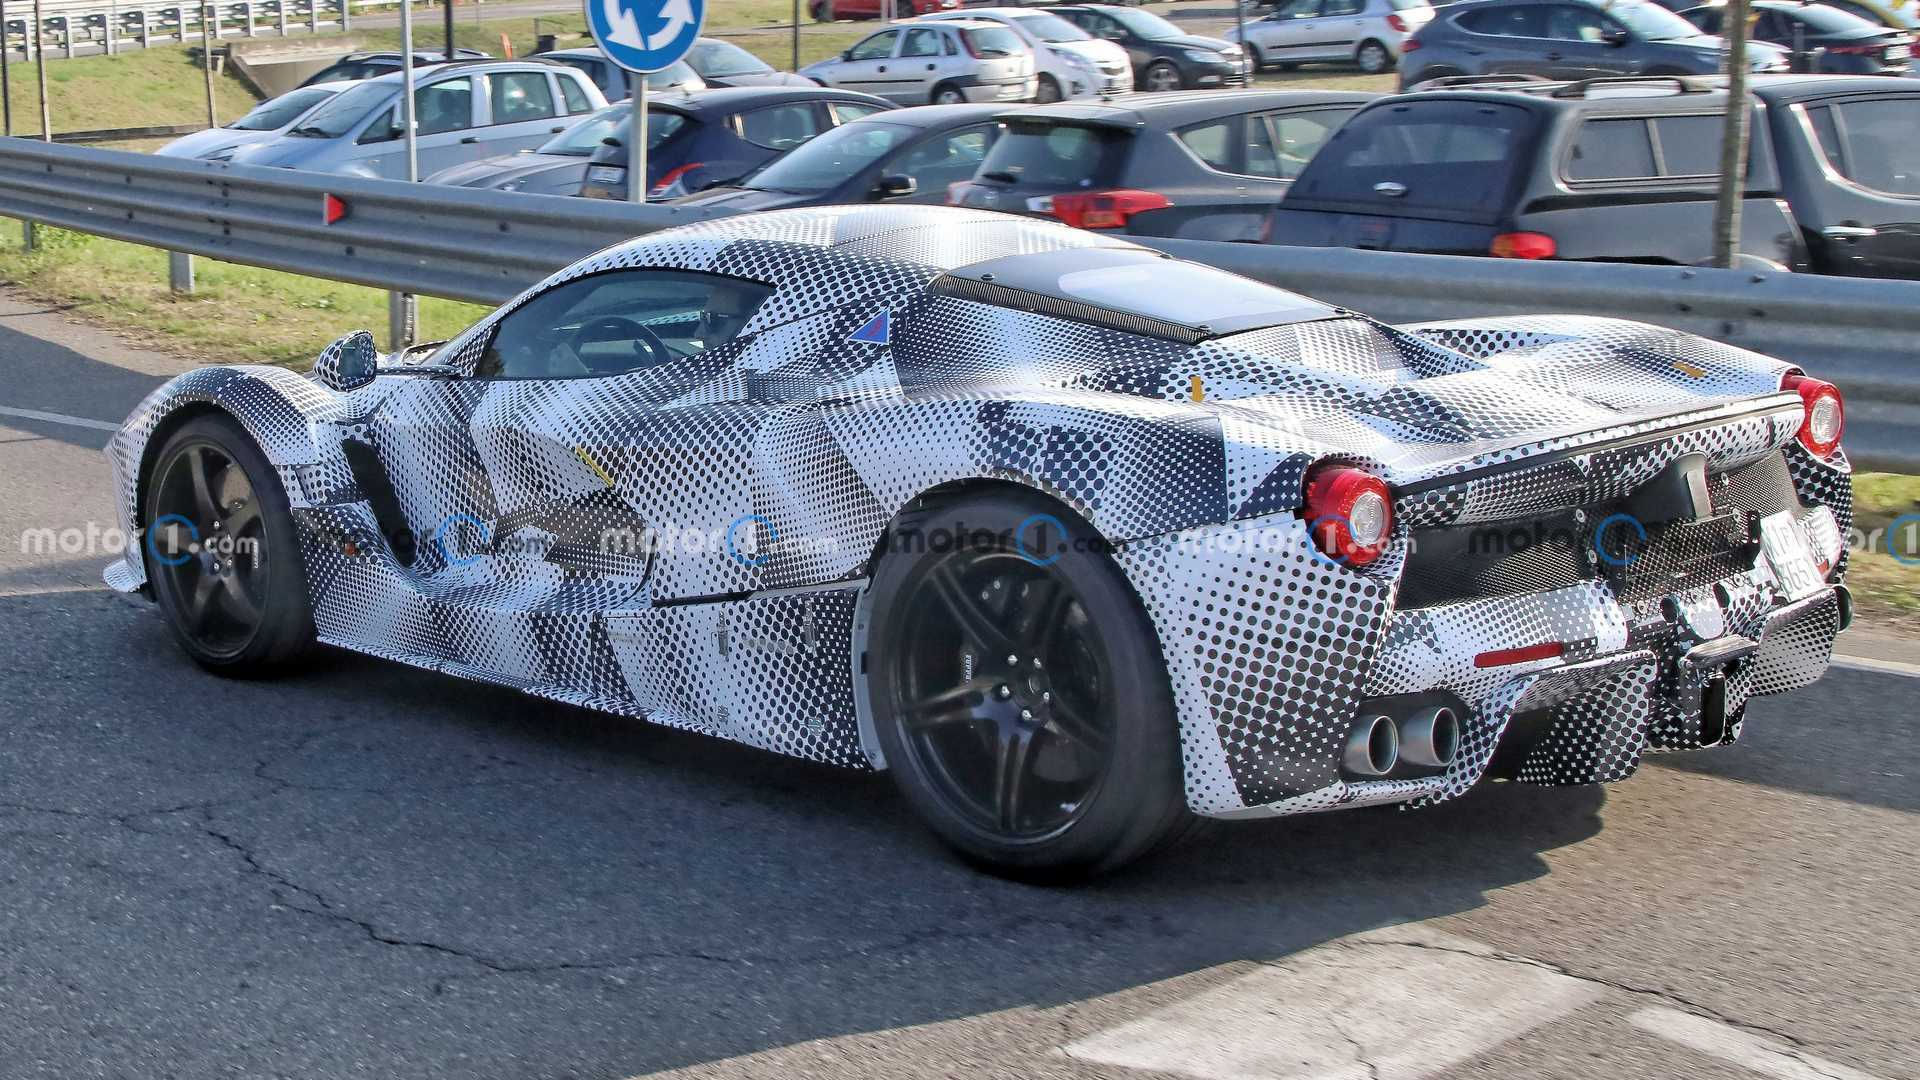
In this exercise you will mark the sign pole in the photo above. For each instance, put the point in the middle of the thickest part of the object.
(796, 34)
(206, 56)
(401, 309)
(6, 82)
(637, 145)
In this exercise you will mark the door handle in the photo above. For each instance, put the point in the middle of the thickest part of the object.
(1553, 56)
(557, 130)
(929, 67)
(471, 139)
(1849, 232)
(883, 67)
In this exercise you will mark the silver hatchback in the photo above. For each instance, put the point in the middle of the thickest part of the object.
(945, 63)
(1364, 32)
(462, 111)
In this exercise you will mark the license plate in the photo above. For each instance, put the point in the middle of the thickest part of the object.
(1899, 52)
(1789, 555)
(607, 174)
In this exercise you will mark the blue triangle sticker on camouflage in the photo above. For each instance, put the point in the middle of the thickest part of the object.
(874, 332)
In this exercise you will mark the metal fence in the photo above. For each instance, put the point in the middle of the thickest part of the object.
(70, 25)
(485, 246)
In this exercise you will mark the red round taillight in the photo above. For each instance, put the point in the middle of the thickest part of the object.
(1350, 513)
(1826, 414)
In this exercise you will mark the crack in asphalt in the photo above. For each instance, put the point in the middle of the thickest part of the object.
(1359, 1048)
(1664, 995)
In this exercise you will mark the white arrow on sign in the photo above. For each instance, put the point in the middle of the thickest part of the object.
(678, 15)
(625, 29)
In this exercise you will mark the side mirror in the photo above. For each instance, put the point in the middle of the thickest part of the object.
(348, 364)
(896, 186)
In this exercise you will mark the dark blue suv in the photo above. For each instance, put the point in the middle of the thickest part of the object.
(1566, 39)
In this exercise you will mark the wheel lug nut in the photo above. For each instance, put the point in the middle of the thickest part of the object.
(1003, 691)
(1026, 714)
(1046, 696)
(1011, 659)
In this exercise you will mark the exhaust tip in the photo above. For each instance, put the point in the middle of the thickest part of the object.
(1373, 746)
(1431, 738)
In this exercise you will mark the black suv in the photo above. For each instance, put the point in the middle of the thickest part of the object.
(1200, 166)
(1600, 170)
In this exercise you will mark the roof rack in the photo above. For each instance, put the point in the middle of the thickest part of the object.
(1446, 82)
(1684, 84)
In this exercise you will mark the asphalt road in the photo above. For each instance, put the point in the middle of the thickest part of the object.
(371, 871)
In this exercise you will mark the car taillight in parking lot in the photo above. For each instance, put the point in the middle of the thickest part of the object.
(1523, 245)
(1398, 24)
(1826, 412)
(1350, 514)
(1105, 209)
(1410, 45)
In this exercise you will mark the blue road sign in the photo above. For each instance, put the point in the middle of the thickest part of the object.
(645, 35)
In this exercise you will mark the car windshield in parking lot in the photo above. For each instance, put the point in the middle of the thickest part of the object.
(1050, 28)
(1434, 155)
(1055, 155)
(993, 41)
(1651, 21)
(822, 163)
(281, 111)
(337, 117)
(1827, 20)
(583, 138)
(719, 59)
(1144, 23)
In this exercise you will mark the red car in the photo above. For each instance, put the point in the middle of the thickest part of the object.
(829, 10)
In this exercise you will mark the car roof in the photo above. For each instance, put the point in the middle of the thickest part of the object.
(1706, 90)
(1179, 106)
(531, 63)
(933, 116)
(724, 99)
(977, 13)
(1786, 89)
(962, 20)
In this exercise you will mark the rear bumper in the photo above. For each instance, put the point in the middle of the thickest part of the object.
(987, 92)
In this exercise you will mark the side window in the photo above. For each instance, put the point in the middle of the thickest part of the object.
(1342, 7)
(1612, 150)
(877, 47)
(448, 106)
(1881, 152)
(1523, 21)
(1566, 22)
(575, 97)
(1706, 18)
(619, 322)
(844, 111)
(1211, 142)
(1827, 135)
(1102, 27)
(921, 41)
(1689, 145)
(947, 158)
(780, 127)
(1292, 139)
(949, 44)
(1301, 9)
(519, 96)
(387, 126)
(1773, 27)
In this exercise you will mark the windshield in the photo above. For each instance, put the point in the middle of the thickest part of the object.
(337, 117)
(1652, 22)
(1826, 20)
(1050, 28)
(281, 111)
(822, 163)
(1144, 23)
(583, 138)
(668, 77)
(719, 59)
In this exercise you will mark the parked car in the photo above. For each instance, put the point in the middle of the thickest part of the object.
(1539, 170)
(1164, 56)
(1819, 38)
(1364, 32)
(1070, 62)
(722, 63)
(1566, 39)
(555, 167)
(720, 135)
(463, 111)
(616, 82)
(900, 156)
(1200, 166)
(1899, 14)
(266, 120)
(357, 66)
(829, 10)
(945, 63)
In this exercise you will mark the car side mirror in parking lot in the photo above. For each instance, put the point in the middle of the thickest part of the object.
(896, 186)
(348, 363)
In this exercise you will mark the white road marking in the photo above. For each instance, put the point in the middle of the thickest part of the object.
(1884, 667)
(59, 418)
(1768, 1057)
(1393, 1004)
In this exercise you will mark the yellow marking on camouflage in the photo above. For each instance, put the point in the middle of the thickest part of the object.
(587, 460)
(1196, 388)
(1688, 369)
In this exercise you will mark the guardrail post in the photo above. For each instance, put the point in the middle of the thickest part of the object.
(313, 16)
(346, 17)
(180, 273)
(402, 316)
(26, 236)
(113, 15)
(247, 10)
(281, 9)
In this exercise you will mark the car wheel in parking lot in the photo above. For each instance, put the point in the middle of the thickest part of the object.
(1162, 75)
(1373, 57)
(949, 94)
(1049, 90)
(822, 10)
(222, 552)
(1253, 54)
(1017, 690)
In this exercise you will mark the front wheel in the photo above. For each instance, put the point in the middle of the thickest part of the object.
(1049, 90)
(1018, 691)
(948, 94)
(1163, 76)
(222, 551)
(1373, 58)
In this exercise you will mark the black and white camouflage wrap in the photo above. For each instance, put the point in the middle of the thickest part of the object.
(752, 482)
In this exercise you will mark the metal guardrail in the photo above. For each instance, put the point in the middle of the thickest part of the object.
(67, 25)
(486, 246)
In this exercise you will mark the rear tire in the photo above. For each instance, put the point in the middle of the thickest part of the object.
(1033, 730)
(1373, 58)
(948, 94)
(1049, 91)
(1163, 76)
(822, 10)
(1253, 56)
(222, 551)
